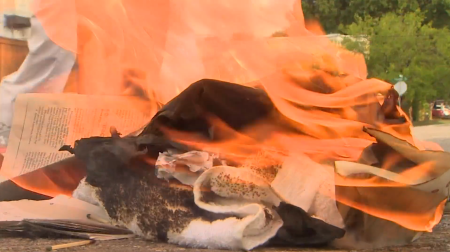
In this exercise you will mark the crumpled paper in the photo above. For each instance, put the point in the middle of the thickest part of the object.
(245, 192)
(185, 167)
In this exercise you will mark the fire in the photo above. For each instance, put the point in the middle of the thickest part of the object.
(320, 89)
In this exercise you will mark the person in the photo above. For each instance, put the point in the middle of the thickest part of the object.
(46, 68)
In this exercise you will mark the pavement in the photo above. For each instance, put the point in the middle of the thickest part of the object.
(439, 134)
(429, 242)
(438, 240)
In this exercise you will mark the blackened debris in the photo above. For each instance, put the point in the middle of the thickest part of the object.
(130, 191)
(301, 229)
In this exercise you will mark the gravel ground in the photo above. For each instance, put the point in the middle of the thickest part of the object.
(436, 241)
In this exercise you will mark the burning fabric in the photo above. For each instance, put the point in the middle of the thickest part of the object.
(196, 176)
(285, 144)
(222, 207)
(163, 185)
(160, 189)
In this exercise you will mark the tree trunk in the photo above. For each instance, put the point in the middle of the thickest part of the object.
(415, 108)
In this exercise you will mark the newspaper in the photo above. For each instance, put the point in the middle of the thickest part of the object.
(61, 215)
(61, 207)
(44, 122)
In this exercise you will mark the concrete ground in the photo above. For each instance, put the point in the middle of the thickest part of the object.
(439, 133)
(439, 240)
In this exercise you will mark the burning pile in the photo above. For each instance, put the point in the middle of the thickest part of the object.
(196, 176)
(296, 149)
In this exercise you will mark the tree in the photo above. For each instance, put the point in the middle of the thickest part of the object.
(337, 14)
(405, 45)
(409, 37)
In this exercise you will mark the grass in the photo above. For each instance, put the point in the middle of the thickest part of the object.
(431, 122)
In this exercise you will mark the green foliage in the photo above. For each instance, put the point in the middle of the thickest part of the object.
(335, 14)
(358, 44)
(409, 37)
(405, 45)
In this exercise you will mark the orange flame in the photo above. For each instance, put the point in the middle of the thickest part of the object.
(320, 87)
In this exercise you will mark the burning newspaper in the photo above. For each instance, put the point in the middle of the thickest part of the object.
(44, 122)
(183, 181)
(261, 140)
